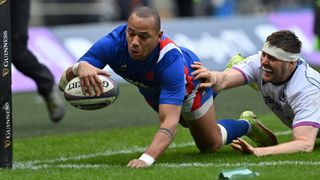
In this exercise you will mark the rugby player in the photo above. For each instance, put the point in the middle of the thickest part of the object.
(288, 85)
(140, 53)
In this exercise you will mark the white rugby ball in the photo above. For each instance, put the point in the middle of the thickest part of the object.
(74, 95)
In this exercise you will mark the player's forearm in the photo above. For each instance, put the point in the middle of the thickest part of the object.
(160, 142)
(169, 119)
(231, 78)
(285, 148)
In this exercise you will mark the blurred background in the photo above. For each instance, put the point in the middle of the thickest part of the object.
(63, 30)
(60, 12)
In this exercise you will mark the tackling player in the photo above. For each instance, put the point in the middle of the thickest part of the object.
(140, 53)
(289, 87)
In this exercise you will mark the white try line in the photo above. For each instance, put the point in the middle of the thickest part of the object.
(35, 164)
(176, 165)
(261, 164)
(39, 164)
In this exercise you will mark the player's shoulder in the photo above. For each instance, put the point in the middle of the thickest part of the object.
(167, 44)
(307, 74)
(116, 39)
(121, 29)
(313, 76)
(251, 62)
(119, 33)
(304, 79)
(168, 49)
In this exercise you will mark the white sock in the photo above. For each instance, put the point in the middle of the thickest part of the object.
(249, 129)
(224, 134)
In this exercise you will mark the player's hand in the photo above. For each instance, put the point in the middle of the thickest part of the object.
(90, 82)
(137, 163)
(242, 146)
(201, 72)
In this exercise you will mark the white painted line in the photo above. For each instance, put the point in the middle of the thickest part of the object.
(34, 164)
(262, 163)
(39, 164)
(176, 165)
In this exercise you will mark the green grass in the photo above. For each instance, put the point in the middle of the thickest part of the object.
(99, 144)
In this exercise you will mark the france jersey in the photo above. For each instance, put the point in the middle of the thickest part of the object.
(163, 78)
(297, 101)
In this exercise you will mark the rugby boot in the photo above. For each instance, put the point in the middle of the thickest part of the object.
(55, 105)
(259, 134)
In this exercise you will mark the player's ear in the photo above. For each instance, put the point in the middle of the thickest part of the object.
(292, 63)
(160, 34)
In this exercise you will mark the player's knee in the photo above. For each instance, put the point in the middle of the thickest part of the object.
(210, 148)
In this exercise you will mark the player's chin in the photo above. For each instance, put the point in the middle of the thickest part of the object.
(267, 77)
(266, 80)
(136, 56)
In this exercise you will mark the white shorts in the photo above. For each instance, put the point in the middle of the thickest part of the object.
(196, 114)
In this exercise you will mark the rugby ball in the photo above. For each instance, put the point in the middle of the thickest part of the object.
(74, 95)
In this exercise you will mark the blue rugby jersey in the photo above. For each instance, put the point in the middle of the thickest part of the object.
(164, 78)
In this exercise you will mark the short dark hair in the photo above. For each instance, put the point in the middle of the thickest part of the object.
(146, 12)
(285, 40)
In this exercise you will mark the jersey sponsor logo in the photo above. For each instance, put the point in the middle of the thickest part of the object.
(123, 68)
(272, 104)
(282, 97)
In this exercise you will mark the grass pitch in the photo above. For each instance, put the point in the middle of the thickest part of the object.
(99, 144)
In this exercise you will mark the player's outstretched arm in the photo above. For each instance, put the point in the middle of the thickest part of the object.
(217, 80)
(303, 141)
(169, 118)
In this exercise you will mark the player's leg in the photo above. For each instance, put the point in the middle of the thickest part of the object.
(210, 134)
(28, 64)
(22, 58)
(205, 131)
(198, 113)
(248, 125)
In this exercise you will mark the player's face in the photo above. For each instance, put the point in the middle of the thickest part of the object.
(142, 37)
(275, 70)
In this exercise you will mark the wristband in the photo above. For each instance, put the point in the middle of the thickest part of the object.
(75, 69)
(147, 159)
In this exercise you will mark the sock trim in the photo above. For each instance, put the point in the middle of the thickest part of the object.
(249, 129)
(224, 134)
